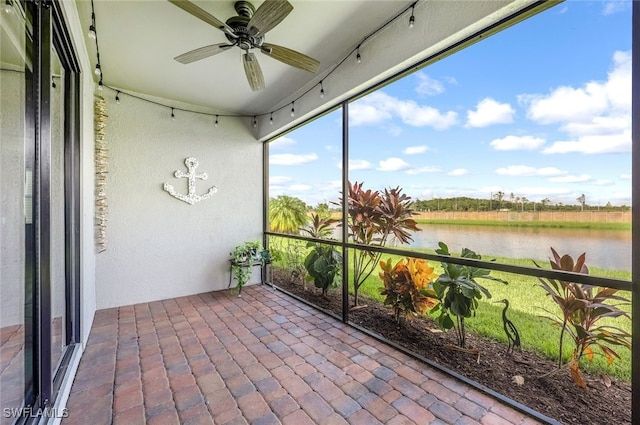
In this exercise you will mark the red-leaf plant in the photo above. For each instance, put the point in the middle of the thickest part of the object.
(374, 217)
(582, 306)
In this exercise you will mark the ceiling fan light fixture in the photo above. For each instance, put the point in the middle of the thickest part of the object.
(247, 31)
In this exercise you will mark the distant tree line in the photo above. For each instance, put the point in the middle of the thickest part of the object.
(509, 203)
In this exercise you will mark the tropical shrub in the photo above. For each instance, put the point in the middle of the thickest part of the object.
(459, 292)
(582, 307)
(374, 218)
(324, 262)
(407, 287)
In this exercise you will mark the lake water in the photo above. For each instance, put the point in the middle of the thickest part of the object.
(609, 249)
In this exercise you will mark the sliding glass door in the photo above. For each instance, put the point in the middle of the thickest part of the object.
(39, 279)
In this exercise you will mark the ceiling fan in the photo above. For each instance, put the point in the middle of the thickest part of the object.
(247, 31)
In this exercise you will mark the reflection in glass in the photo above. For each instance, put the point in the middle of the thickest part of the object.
(58, 337)
(16, 224)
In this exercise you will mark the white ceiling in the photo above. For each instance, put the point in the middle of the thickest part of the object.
(138, 40)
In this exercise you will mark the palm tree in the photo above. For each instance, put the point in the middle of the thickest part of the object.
(287, 214)
(499, 197)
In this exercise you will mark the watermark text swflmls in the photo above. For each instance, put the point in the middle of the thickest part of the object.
(33, 412)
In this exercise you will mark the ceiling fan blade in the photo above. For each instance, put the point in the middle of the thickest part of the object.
(290, 57)
(199, 13)
(202, 52)
(269, 14)
(253, 71)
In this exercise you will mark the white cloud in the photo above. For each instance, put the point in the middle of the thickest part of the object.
(379, 107)
(571, 179)
(423, 170)
(291, 159)
(361, 113)
(428, 86)
(413, 150)
(594, 144)
(357, 164)
(524, 170)
(300, 187)
(516, 143)
(489, 112)
(615, 6)
(625, 176)
(279, 179)
(393, 164)
(603, 182)
(281, 142)
(596, 116)
(458, 172)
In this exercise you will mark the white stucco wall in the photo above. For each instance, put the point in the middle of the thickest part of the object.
(157, 246)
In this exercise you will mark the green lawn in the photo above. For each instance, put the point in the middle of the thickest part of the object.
(527, 303)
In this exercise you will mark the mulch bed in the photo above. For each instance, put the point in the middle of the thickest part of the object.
(555, 395)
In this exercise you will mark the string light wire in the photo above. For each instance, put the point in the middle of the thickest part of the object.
(101, 85)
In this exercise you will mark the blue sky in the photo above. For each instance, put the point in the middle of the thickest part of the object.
(540, 110)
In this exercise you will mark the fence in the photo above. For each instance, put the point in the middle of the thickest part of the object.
(547, 216)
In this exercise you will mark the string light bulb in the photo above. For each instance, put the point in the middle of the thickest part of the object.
(412, 19)
(271, 119)
(92, 27)
(8, 7)
(255, 122)
(173, 116)
(100, 85)
(321, 90)
(216, 124)
(293, 109)
(358, 57)
(98, 70)
(118, 97)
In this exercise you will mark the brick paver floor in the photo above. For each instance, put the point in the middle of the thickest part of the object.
(264, 358)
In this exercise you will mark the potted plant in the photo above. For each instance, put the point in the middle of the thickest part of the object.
(242, 258)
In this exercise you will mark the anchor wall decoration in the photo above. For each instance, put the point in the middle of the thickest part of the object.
(191, 197)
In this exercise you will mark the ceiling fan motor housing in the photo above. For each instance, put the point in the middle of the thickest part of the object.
(245, 39)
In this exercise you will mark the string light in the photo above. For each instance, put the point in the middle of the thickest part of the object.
(173, 116)
(255, 122)
(8, 7)
(92, 28)
(8, 4)
(412, 19)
